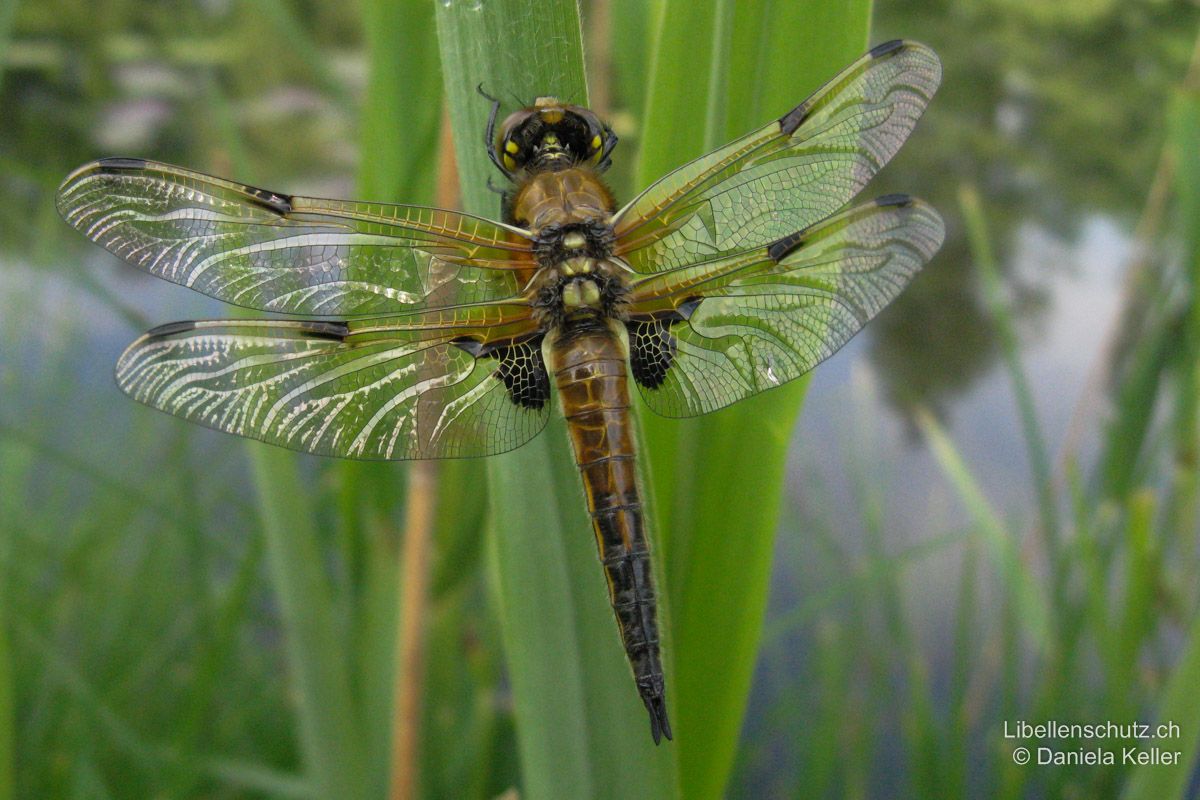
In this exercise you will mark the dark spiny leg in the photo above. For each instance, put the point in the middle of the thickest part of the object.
(610, 141)
(489, 135)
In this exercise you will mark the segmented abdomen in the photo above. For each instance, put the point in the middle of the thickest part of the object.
(590, 371)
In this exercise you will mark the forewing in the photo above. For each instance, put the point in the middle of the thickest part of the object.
(789, 174)
(291, 254)
(749, 322)
(387, 390)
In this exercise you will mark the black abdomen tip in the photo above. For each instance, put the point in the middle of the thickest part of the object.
(660, 726)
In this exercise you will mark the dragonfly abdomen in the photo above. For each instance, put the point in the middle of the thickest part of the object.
(589, 366)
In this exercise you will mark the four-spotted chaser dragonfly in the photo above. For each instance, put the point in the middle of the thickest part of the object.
(440, 334)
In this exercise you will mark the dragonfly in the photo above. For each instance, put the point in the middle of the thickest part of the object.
(425, 333)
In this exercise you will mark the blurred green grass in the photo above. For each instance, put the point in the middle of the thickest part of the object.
(182, 615)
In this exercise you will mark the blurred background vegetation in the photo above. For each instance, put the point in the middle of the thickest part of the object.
(990, 507)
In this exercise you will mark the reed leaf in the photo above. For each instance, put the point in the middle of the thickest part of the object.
(1002, 548)
(1183, 141)
(718, 480)
(581, 729)
(399, 125)
(401, 111)
(8, 13)
(329, 731)
(1178, 698)
(8, 720)
(1178, 705)
(1035, 443)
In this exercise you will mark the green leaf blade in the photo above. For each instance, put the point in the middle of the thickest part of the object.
(581, 731)
(718, 540)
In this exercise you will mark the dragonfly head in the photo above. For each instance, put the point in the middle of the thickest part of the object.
(552, 135)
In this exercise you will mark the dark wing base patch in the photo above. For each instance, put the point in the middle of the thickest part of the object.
(522, 368)
(651, 351)
(652, 346)
(524, 372)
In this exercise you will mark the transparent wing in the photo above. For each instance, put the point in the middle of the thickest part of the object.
(707, 335)
(383, 389)
(298, 255)
(789, 174)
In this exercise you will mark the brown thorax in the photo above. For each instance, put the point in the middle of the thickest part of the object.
(578, 287)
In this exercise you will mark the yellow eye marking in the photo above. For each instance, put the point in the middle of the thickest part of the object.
(509, 164)
(596, 142)
(511, 146)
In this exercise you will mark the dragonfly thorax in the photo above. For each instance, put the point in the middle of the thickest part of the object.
(557, 243)
(546, 201)
(580, 286)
